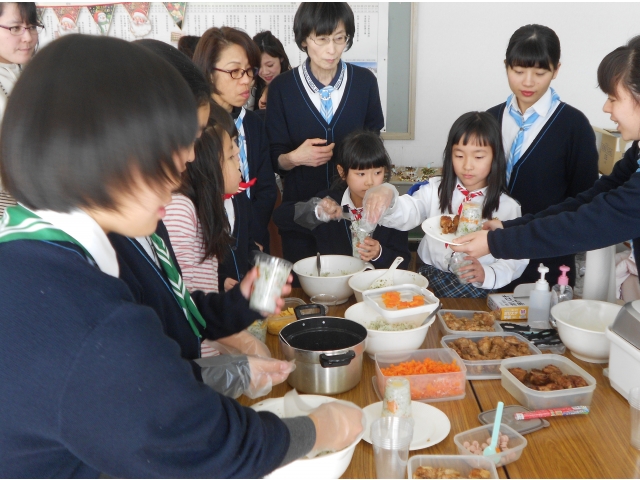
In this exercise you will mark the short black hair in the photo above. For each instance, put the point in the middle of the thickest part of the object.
(621, 67)
(361, 150)
(221, 119)
(86, 113)
(322, 18)
(534, 46)
(483, 128)
(192, 74)
(28, 12)
(187, 44)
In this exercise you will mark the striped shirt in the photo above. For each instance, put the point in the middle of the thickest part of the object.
(6, 200)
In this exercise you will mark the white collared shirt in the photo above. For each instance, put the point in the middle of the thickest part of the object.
(86, 231)
(336, 95)
(510, 128)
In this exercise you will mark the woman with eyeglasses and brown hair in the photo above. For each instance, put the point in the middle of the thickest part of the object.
(313, 107)
(230, 60)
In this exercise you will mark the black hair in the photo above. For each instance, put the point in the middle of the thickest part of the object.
(534, 46)
(58, 154)
(322, 18)
(269, 44)
(187, 45)
(361, 150)
(483, 129)
(28, 12)
(621, 67)
(193, 76)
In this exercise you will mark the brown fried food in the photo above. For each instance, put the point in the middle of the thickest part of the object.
(446, 224)
(489, 348)
(480, 322)
(578, 381)
(520, 373)
(484, 345)
(548, 379)
(456, 221)
(549, 387)
(425, 472)
(549, 369)
(538, 377)
(479, 473)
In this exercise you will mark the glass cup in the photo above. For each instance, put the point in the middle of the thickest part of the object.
(634, 403)
(391, 438)
(272, 276)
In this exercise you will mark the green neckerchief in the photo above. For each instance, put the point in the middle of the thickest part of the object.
(19, 223)
(179, 290)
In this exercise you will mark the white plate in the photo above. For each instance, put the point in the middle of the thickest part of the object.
(431, 427)
(431, 227)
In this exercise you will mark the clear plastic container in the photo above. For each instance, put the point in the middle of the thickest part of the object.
(259, 330)
(272, 275)
(536, 400)
(416, 315)
(470, 218)
(486, 369)
(462, 463)
(275, 323)
(432, 387)
(465, 314)
(480, 434)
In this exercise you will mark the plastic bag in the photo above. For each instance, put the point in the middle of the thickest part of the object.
(377, 201)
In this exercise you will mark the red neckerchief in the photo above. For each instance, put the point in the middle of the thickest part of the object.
(467, 196)
(357, 213)
(243, 186)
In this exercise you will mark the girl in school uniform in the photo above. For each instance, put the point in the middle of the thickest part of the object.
(75, 343)
(550, 145)
(473, 170)
(230, 60)
(362, 163)
(312, 108)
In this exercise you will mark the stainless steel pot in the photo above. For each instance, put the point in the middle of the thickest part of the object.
(327, 350)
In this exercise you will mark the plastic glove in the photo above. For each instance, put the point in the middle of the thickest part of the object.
(337, 424)
(377, 201)
(242, 343)
(266, 372)
(328, 209)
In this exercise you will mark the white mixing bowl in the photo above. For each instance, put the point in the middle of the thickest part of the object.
(381, 341)
(582, 325)
(331, 465)
(361, 281)
(335, 271)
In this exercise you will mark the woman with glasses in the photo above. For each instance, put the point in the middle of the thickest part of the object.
(229, 59)
(313, 107)
(19, 29)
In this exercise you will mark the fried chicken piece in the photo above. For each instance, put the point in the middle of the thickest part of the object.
(446, 224)
(484, 345)
(425, 472)
(448, 473)
(549, 369)
(538, 377)
(479, 473)
(549, 387)
(520, 373)
(456, 221)
(512, 341)
(578, 381)
(563, 381)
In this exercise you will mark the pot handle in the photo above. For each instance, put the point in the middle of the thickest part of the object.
(310, 310)
(368, 266)
(330, 361)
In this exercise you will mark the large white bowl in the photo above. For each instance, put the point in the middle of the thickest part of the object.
(582, 325)
(382, 342)
(361, 281)
(331, 465)
(336, 270)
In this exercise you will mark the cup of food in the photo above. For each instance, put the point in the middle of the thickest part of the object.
(272, 276)
(470, 218)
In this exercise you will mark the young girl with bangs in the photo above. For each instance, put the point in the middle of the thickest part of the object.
(549, 145)
(473, 170)
(362, 163)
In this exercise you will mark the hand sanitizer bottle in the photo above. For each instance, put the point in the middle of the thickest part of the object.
(540, 302)
(560, 292)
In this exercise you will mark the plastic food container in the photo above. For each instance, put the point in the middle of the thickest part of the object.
(470, 218)
(416, 315)
(462, 463)
(259, 330)
(624, 363)
(275, 323)
(536, 400)
(486, 369)
(480, 434)
(272, 275)
(432, 387)
(466, 314)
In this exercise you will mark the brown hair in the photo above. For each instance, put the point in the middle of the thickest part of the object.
(214, 41)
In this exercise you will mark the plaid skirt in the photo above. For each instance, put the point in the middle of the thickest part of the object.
(446, 284)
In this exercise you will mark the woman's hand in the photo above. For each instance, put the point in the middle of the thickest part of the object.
(369, 249)
(492, 225)
(229, 283)
(475, 244)
(246, 287)
(313, 152)
(328, 209)
(473, 273)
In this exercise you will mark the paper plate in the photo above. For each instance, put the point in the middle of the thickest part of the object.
(431, 227)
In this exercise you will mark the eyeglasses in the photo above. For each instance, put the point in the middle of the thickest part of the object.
(325, 40)
(238, 73)
(18, 30)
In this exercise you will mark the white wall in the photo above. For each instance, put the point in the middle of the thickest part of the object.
(461, 49)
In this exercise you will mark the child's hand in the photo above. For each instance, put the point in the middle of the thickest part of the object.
(475, 244)
(492, 225)
(328, 209)
(473, 273)
(377, 201)
(369, 249)
(229, 283)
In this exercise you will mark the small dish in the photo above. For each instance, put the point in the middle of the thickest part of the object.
(431, 227)
(324, 299)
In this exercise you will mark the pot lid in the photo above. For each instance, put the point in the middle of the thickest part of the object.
(521, 426)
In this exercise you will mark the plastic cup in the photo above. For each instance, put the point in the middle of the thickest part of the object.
(272, 276)
(634, 403)
(391, 438)
(456, 261)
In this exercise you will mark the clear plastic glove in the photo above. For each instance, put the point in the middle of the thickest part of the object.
(327, 209)
(377, 201)
(492, 224)
(242, 343)
(337, 424)
(265, 373)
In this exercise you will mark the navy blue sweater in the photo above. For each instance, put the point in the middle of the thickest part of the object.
(334, 238)
(606, 214)
(264, 192)
(90, 383)
(561, 162)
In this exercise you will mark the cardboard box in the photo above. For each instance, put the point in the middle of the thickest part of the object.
(611, 148)
(508, 306)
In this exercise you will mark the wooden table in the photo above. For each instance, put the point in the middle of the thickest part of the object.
(583, 446)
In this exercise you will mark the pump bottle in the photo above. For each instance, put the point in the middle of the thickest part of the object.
(540, 302)
(561, 292)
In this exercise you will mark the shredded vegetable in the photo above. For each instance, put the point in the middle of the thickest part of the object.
(424, 385)
(393, 300)
(413, 367)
